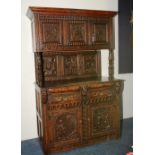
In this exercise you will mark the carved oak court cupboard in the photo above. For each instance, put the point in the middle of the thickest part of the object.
(75, 105)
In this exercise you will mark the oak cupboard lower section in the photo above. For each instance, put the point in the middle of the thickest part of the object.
(78, 114)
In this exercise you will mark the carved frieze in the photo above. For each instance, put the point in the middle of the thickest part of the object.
(63, 97)
(64, 105)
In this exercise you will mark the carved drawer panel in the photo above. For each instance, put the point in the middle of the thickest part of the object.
(61, 97)
(64, 94)
(101, 96)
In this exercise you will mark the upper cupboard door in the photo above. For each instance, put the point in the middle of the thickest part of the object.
(51, 33)
(100, 33)
(76, 32)
(70, 33)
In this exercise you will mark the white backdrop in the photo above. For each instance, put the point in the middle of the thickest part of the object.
(28, 112)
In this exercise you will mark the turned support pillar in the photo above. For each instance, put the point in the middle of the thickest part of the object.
(111, 64)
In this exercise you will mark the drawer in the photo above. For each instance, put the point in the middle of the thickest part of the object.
(64, 94)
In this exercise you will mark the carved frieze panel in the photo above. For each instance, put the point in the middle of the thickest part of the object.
(90, 63)
(64, 105)
(66, 127)
(49, 66)
(63, 97)
(70, 65)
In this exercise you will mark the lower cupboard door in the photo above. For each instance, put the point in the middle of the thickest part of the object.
(64, 128)
(104, 121)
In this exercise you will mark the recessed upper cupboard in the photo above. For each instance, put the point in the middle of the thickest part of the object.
(61, 30)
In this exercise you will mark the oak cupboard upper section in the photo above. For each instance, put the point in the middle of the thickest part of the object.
(55, 29)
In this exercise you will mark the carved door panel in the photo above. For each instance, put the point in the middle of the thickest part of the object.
(76, 33)
(104, 120)
(64, 118)
(104, 111)
(51, 33)
(99, 32)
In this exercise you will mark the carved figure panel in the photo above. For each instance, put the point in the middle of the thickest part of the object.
(70, 65)
(66, 127)
(101, 120)
(50, 66)
(51, 32)
(90, 63)
(77, 33)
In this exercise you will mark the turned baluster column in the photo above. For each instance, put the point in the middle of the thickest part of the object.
(111, 64)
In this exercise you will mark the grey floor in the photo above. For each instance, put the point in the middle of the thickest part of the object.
(113, 147)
